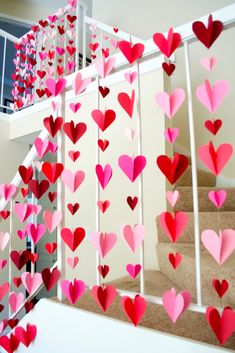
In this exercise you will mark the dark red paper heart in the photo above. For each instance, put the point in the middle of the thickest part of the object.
(169, 68)
(173, 168)
(73, 208)
(38, 188)
(103, 270)
(52, 196)
(74, 132)
(207, 35)
(220, 287)
(213, 125)
(104, 91)
(132, 202)
(53, 125)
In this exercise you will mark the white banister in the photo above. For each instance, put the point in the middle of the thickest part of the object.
(9, 36)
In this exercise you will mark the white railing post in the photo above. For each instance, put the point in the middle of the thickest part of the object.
(84, 34)
(10, 249)
(3, 68)
(78, 36)
(141, 203)
(194, 177)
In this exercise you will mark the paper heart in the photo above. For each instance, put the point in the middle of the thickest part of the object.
(103, 120)
(223, 326)
(130, 76)
(7, 191)
(52, 219)
(217, 197)
(175, 259)
(12, 323)
(133, 236)
(53, 125)
(4, 240)
(103, 205)
(73, 290)
(74, 132)
(36, 209)
(26, 336)
(215, 160)
(169, 68)
(23, 211)
(174, 304)
(132, 167)
(126, 102)
(103, 144)
(114, 43)
(207, 35)
(104, 174)
(172, 168)
(72, 262)
(171, 134)
(3, 325)
(170, 103)
(74, 155)
(38, 165)
(75, 107)
(104, 67)
(50, 278)
(31, 282)
(3, 263)
(10, 344)
(52, 171)
(52, 196)
(220, 287)
(167, 45)
(50, 247)
(208, 63)
(15, 300)
(80, 84)
(20, 259)
(4, 288)
(73, 208)
(26, 173)
(36, 232)
(104, 91)
(213, 125)
(73, 238)
(132, 202)
(221, 245)
(133, 270)
(103, 242)
(174, 225)
(17, 281)
(134, 308)
(103, 270)
(130, 133)
(172, 197)
(56, 87)
(42, 147)
(212, 96)
(104, 296)
(130, 51)
(4, 214)
(72, 181)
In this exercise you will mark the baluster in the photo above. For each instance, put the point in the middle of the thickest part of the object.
(3, 68)
(10, 249)
(84, 37)
(78, 36)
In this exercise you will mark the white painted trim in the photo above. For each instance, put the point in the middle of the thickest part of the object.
(8, 36)
(18, 20)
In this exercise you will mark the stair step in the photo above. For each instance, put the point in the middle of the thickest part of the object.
(185, 202)
(204, 178)
(207, 220)
(184, 276)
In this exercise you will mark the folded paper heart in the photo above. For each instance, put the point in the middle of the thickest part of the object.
(53, 125)
(74, 132)
(103, 205)
(130, 76)
(73, 261)
(103, 120)
(7, 191)
(134, 308)
(52, 219)
(31, 282)
(56, 87)
(221, 245)
(42, 146)
(103, 144)
(172, 168)
(104, 174)
(175, 305)
(73, 208)
(26, 336)
(4, 240)
(170, 103)
(104, 296)
(104, 67)
(175, 259)
(103, 270)
(217, 197)
(52, 196)
(26, 173)
(4, 288)
(74, 155)
(9, 344)
(208, 63)
(79, 84)
(174, 225)
(213, 125)
(223, 325)
(172, 197)
(133, 270)
(132, 202)
(72, 181)
(215, 160)
(3, 263)
(17, 281)
(52, 171)
(127, 102)
(133, 237)
(220, 287)
(20, 259)
(169, 68)
(103, 242)
(3, 325)
(130, 51)
(167, 45)
(212, 96)
(35, 232)
(50, 277)
(15, 300)
(104, 91)
(207, 35)
(73, 290)
(73, 238)
(75, 107)
(132, 167)
(50, 247)
(171, 134)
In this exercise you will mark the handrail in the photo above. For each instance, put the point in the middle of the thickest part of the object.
(8, 36)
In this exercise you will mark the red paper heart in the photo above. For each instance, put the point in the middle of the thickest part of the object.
(26, 173)
(169, 68)
(134, 309)
(50, 278)
(73, 208)
(53, 125)
(26, 336)
(24, 192)
(28, 306)
(130, 51)
(74, 132)
(103, 120)
(38, 188)
(74, 155)
(103, 270)
(132, 202)
(10, 344)
(126, 102)
(103, 205)
(52, 171)
(104, 91)
(213, 125)
(20, 259)
(220, 287)
(50, 247)
(73, 238)
(104, 296)
(175, 259)
(207, 35)
(13, 322)
(52, 196)
(174, 225)
(224, 325)
(172, 168)
(17, 281)
(169, 45)
(40, 92)
(5, 214)
(103, 144)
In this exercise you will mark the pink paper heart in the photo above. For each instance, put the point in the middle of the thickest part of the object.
(42, 147)
(172, 197)
(16, 300)
(217, 197)
(75, 107)
(103, 242)
(104, 67)
(133, 270)
(114, 43)
(56, 86)
(219, 246)
(36, 209)
(73, 290)
(170, 103)
(3, 325)
(31, 282)
(52, 219)
(35, 232)
(133, 236)
(130, 76)
(208, 63)
(72, 261)
(171, 134)
(23, 211)
(72, 181)
(80, 85)
(174, 304)
(104, 174)
(132, 167)
(7, 191)
(212, 96)
(38, 165)
(55, 105)
(21, 233)
(4, 240)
